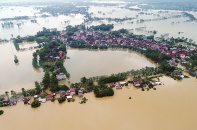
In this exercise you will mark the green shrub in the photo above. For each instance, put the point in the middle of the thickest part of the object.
(1, 112)
(53, 99)
(185, 76)
(61, 100)
(1, 104)
(103, 91)
(42, 97)
(35, 104)
(84, 100)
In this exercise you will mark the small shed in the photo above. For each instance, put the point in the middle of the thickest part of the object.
(122, 83)
(69, 97)
(35, 96)
(156, 83)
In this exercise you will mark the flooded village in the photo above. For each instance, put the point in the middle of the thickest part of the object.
(86, 62)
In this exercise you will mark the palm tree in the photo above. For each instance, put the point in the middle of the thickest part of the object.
(24, 92)
(13, 93)
(7, 95)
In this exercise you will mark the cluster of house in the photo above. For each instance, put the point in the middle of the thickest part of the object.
(177, 73)
(54, 58)
(116, 85)
(177, 53)
(8, 101)
(141, 82)
(45, 97)
(70, 93)
(91, 37)
(41, 98)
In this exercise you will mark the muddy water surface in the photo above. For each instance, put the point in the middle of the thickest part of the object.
(91, 63)
(171, 107)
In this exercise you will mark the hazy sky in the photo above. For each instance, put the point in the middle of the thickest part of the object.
(32, 0)
(7, 1)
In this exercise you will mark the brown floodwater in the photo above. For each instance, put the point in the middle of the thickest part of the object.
(17, 76)
(171, 107)
(81, 63)
(91, 63)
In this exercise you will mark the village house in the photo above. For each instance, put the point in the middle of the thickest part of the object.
(62, 93)
(118, 86)
(80, 93)
(49, 97)
(176, 73)
(172, 63)
(61, 76)
(72, 91)
(138, 82)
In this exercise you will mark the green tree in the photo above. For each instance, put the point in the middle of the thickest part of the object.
(54, 83)
(13, 93)
(61, 99)
(63, 87)
(123, 31)
(83, 80)
(24, 92)
(46, 80)
(37, 88)
(1, 112)
(7, 94)
(35, 104)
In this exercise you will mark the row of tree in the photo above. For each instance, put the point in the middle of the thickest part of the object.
(103, 27)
